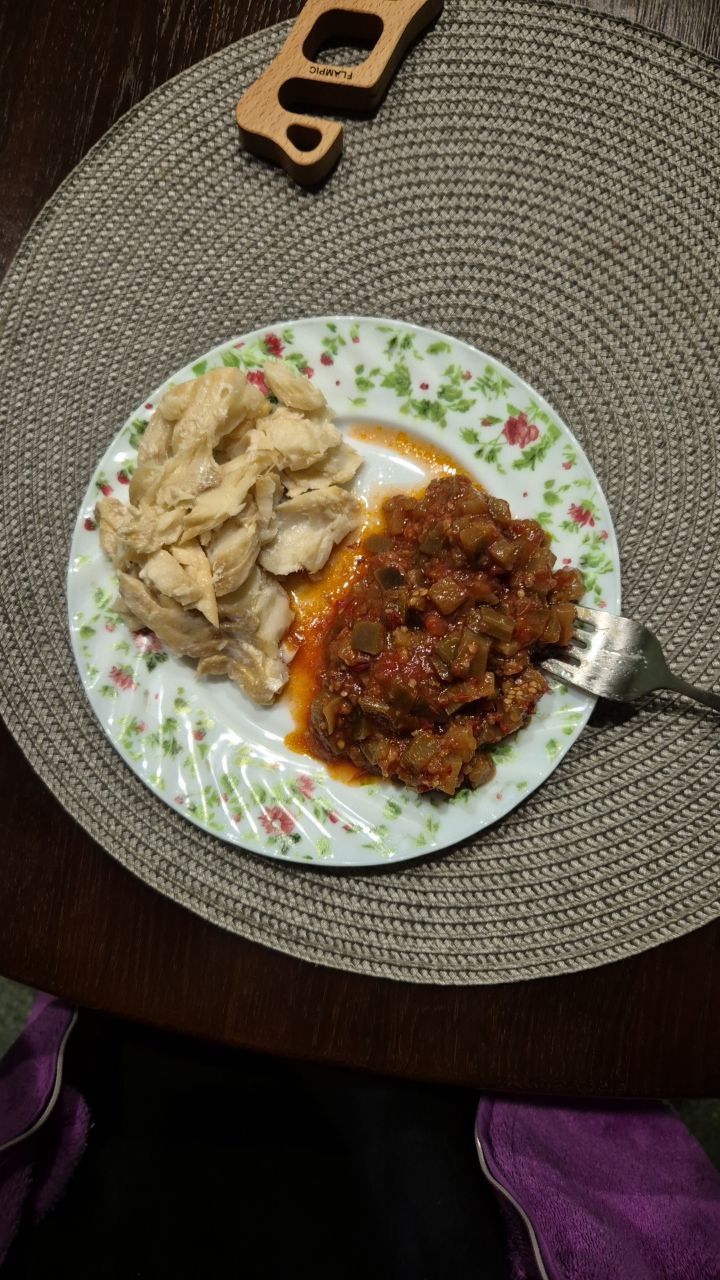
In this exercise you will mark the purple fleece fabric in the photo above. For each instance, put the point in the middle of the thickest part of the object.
(36, 1162)
(609, 1192)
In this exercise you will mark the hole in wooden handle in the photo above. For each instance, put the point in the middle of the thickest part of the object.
(336, 28)
(303, 137)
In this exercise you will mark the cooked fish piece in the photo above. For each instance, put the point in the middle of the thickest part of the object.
(215, 506)
(144, 482)
(292, 388)
(182, 630)
(257, 405)
(254, 620)
(262, 606)
(338, 466)
(233, 549)
(187, 475)
(223, 399)
(236, 441)
(215, 665)
(298, 440)
(260, 675)
(195, 562)
(109, 513)
(162, 572)
(156, 441)
(177, 399)
(146, 529)
(225, 484)
(267, 491)
(308, 528)
(121, 609)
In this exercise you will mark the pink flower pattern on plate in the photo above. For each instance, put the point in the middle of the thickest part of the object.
(520, 431)
(305, 785)
(147, 642)
(273, 345)
(276, 821)
(122, 678)
(580, 514)
(256, 377)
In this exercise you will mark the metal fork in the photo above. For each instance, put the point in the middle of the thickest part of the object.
(619, 659)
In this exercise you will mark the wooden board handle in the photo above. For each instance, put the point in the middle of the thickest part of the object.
(306, 146)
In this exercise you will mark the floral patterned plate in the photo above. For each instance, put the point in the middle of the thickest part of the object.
(221, 761)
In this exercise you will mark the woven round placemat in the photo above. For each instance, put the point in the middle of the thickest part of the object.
(541, 181)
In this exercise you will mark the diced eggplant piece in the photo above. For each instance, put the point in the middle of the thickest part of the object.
(446, 649)
(499, 510)
(431, 543)
(540, 560)
(476, 504)
(330, 708)
(368, 637)
(381, 752)
(419, 751)
(440, 668)
(478, 666)
(447, 596)
(449, 780)
(529, 627)
(524, 549)
(503, 552)
(397, 513)
(506, 648)
(480, 770)
(378, 710)
(467, 691)
(344, 651)
(483, 589)
(465, 652)
(376, 543)
(492, 623)
(359, 727)
(401, 696)
(460, 738)
(569, 585)
(477, 534)
(389, 576)
(551, 634)
(566, 614)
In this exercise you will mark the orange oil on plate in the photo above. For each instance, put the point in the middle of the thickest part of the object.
(314, 600)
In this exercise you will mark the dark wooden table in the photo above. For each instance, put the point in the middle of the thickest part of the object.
(75, 923)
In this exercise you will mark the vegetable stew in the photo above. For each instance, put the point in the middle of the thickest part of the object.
(428, 659)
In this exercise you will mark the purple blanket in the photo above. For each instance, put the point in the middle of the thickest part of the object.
(43, 1124)
(594, 1193)
(588, 1192)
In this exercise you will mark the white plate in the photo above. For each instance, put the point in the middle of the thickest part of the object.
(215, 757)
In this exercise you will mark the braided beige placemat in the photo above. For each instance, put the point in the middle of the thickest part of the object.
(541, 181)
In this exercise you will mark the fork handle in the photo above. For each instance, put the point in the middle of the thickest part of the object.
(691, 691)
